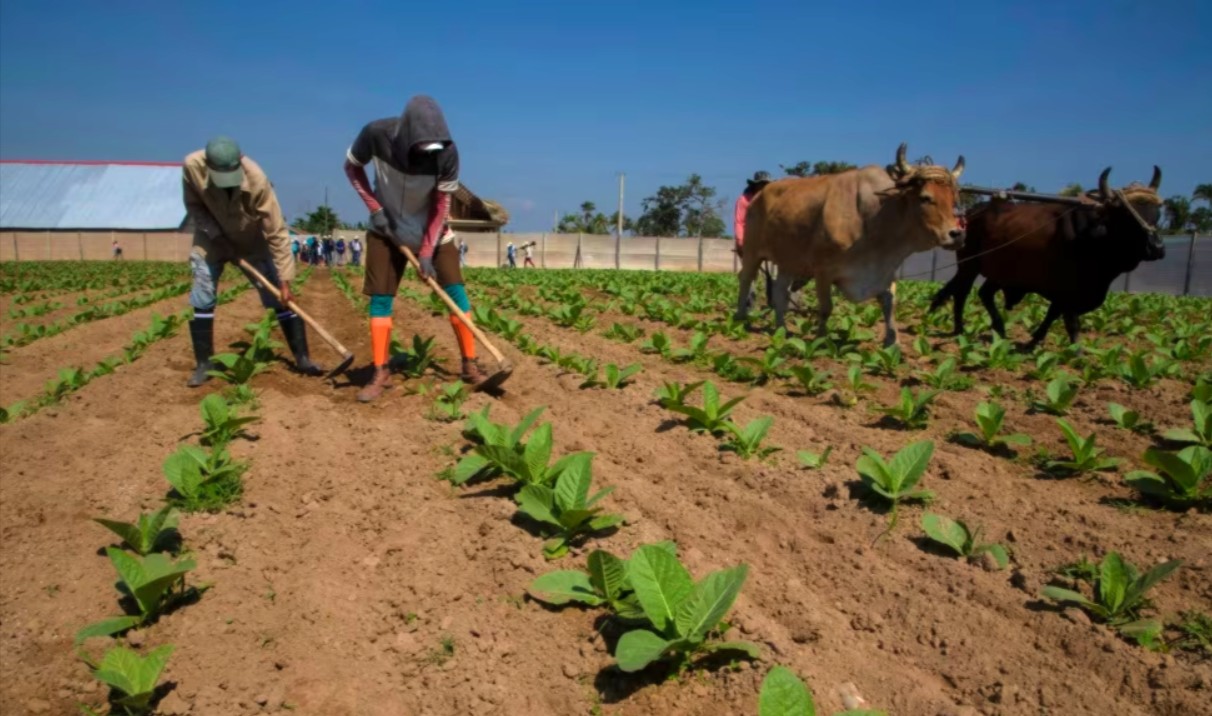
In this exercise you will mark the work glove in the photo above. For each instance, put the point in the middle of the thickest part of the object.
(383, 224)
(427, 269)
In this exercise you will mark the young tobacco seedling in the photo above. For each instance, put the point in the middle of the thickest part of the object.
(1202, 390)
(448, 405)
(811, 380)
(222, 425)
(615, 377)
(1138, 374)
(1086, 457)
(696, 350)
(202, 481)
(813, 461)
(1201, 432)
(894, 480)
(673, 393)
(154, 582)
(946, 376)
(1059, 396)
(713, 416)
(989, 418)
(1184, 479)
(884, 361)
(415, 361)
(133, 679)
(1127, 419)
(913, 412)
(854, 380)
(683, 613)
(566, 511)
(1196, 630)
(606, 583)
(148, 532)
(1119, 596)
(747, 441)
(783, 694)
(624, 332)
(658, 343)
(963, 541)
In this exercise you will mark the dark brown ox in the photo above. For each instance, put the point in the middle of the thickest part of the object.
(1067, 254)
(851, 230)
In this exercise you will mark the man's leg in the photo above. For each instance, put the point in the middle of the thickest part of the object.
(384, 268)
(450, 278)
(292, 326)
(202, 297)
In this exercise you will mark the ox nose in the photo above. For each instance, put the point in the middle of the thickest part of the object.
(957, 237)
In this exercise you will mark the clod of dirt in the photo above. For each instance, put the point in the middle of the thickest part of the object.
(174, 705)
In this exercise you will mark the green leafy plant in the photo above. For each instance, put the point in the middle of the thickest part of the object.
(713, 416)
(605, 583)
(566, 511)
(132, 679)
(148, 532)
(203, 481)
(1139, 374)
(615, 377)
(854, 380)
(1085, 456)
(813, 461)
(624, 332)
(1195, 630)
(695, 351)
(964, 541)
(884, 361)
(448, 405)
(501, 451)
(1046, 364)
(811, 380)
(989, 418)
(1119, 596)
(1183, 479)
(222, 424)
(913, 411)
(783, 694)
(1201, 429)
(658, 343)
(895, 480)
(673, 393)
(1127, 419)
(1202, 390)
(414, 361)
(683, 614)
(1058, 397)
(747, 441)
(154, 582)
(946, 376)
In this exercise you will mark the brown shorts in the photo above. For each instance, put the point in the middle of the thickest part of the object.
(385, 266)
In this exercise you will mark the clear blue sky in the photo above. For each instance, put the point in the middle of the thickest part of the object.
(549, 101)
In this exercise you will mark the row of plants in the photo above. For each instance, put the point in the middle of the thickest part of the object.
(27, 333)
(44, 277)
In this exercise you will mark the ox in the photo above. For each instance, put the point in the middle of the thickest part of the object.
(1067, 254)
(851, 230)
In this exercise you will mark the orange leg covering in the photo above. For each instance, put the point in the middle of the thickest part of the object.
(380, 339)
(467, 342)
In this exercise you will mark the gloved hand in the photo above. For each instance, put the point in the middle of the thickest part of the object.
(383, 224)
(427, 269)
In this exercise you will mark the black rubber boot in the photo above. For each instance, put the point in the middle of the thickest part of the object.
(202, 334)
(296, 338)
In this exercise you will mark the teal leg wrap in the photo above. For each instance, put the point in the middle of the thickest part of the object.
(380, 305)
(458, 294)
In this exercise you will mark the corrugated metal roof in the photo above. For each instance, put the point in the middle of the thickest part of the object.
(90, 195)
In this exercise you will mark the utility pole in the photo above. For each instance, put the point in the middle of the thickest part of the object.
(555, 221)
(620, 216)
(327, 213)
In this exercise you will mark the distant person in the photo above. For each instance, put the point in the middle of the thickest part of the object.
(340, 251)
(117, 249)
(328, 251)
(511, 253)
(355, 251)
(528, 252)
(294, 250)
(236, 216)
(311, 250)
(752, 187)
(462, 253)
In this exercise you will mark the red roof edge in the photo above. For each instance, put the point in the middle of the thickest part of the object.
(89, 162)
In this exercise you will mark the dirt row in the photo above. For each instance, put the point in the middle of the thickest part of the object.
(351, 581)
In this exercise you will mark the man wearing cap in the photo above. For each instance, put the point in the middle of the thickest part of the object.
(416, 167)
(236, 216)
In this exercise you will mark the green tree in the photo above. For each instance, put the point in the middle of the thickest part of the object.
(1201, 219)
(322, 221)
(1020, 186)
(589, 221)
(1203, 193)
(1073, 189)
(805, 169)
(1178, 212)
(801, 169)
(690, 209)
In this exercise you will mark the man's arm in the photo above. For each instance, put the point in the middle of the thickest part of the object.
(273, 228)
(738, 219)
(202, 217)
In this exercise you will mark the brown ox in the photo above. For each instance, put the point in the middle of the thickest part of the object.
(851, 230)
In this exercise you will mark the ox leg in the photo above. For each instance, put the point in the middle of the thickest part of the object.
(988, 295)
(1072, 326)
(824, 304)
(781, 296)
(1042, 332)
(887, 299)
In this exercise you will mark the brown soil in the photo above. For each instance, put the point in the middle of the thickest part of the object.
(347, 565)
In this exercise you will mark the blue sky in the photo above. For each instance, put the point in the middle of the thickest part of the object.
(549, 101)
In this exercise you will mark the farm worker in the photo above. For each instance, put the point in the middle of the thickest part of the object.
(340, 251)
(512, 254)
(355, 249)
(328, 248)
(117, 248)
(462, 252)
(236, 216)
(752, 187)
(528, 251)
(294, 249)
(416, 171)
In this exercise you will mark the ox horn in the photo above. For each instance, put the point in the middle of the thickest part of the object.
(902, 165)
(1104, 193)
(959, 168)
(1155, 182)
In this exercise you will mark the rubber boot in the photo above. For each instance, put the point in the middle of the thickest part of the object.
(378, 384)
(296, 339)
(202, 335)
(471, 373)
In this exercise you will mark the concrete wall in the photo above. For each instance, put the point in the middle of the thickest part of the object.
(93, 245)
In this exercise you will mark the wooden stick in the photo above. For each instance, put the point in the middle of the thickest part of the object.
(328, 337)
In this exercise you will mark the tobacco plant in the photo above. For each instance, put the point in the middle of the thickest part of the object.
(415, 361)
(811, 460)
(132, 679)
(945, 376)
(448, 405)
(673, 393)
(913, 411)
(1085, 456)
(1119, 596)
(203, 481)
(615, 377)
(624, 332)
(222, 424)
(1200, 432)
(989, 418)
(894, 481)
(961, 539)
(747, 441)
(1182, 480)
(1058, 397)
(153, 582)
(713, 416)
(811, 380)
(148, 533)
(783, 694)
(566, 511)
(1127, 419)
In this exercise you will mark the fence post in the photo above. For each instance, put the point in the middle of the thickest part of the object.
(1190, 262)
(617, 240)
(933, 262)
(700, 253)
(658, 253)
(543, 250)
(498, 263)
(16, 251)
(48, 246)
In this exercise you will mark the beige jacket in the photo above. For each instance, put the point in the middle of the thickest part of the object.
(250, 220)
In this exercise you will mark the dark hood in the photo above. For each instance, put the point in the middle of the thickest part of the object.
(421, 122)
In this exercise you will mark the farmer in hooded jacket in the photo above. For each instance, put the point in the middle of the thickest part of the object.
(416, 167)
(236, 216)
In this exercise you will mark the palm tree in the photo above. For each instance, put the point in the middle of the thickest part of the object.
(1203, 193)
(1201, 219)
(1178, 212)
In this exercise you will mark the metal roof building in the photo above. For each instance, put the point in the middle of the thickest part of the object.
(90, 196)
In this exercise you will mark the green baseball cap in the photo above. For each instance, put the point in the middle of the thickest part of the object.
(223, 161)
